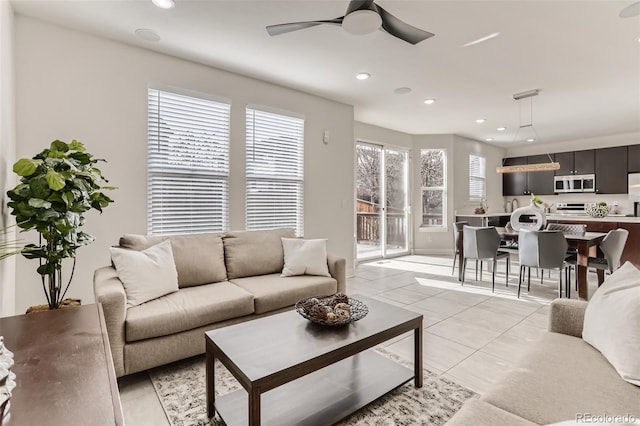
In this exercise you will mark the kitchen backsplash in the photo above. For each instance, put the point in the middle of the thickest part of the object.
(624, 201)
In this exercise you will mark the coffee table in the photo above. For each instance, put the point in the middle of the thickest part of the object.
(296, 372)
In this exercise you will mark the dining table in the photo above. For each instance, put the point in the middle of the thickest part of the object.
(583, 245)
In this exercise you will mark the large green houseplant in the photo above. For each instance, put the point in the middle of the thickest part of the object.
(57, 186)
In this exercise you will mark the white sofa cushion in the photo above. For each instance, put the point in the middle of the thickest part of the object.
(612, 322)
(304, 257)
(146, 274)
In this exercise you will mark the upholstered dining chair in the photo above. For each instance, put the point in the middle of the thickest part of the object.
(482, 243)
(567, 229)
(612, 247)
(543, 250)
(457, 229)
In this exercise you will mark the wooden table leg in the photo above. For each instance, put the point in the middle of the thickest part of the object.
(417, 356)
(581, 271)
(211, 394)
(254, 407)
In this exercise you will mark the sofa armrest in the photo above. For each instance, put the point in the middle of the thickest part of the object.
(567, 316)
(337, 269)
(109, 291)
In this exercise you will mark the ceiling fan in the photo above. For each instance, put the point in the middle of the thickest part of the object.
(362, 17)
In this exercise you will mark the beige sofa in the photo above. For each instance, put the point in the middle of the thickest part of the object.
(223, 280)
(561, 378)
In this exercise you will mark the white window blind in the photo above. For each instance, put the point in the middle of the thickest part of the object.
(188, 164)
(274, 171)
(477, 175)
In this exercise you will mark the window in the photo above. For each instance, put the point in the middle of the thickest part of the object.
(433, 172)
(274, 171)
(188, 164)
(477, 174)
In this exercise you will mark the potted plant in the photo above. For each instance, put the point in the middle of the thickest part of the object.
(57, 186)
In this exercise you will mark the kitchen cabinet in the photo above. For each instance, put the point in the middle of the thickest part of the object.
(514, 183)
(611, 170)
(524, 183)
(633, 157)
(540, 183)
(575, 163)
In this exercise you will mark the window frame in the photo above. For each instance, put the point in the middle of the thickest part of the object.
(444, 226)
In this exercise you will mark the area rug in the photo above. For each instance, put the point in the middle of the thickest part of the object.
(181, 389)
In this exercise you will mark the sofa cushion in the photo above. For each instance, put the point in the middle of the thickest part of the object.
(561, 376)
(478, 412)
(305, 257)
(274, 292)
(187, 309)
(146, 274)
(199, 257)
(250, 253)
(612, 322)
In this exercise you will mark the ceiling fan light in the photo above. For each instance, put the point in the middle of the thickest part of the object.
(361, 22)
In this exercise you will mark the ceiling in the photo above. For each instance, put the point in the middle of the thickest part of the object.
(580, 54)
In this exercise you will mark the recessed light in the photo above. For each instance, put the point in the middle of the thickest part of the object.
(430, 101)
(489, 139)
(480, 120)
(164, 4)
(638, 39)
(481, 39)
(147, 34)
(501, 129)
(363, 76)
(402, 90)
(531, 140)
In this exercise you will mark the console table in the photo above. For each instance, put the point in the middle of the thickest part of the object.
(63, 366)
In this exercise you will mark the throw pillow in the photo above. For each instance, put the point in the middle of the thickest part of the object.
(612, 322)
(304, 257)
(146, 274)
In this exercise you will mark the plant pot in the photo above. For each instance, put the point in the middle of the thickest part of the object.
(66, 303)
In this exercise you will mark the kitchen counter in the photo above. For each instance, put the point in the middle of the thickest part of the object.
(482, 215)
(587, 218)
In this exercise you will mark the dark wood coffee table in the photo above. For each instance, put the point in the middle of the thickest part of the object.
(296, 372)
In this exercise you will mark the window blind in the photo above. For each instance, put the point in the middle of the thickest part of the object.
(477, 175)
(188, 164)
(274, 171)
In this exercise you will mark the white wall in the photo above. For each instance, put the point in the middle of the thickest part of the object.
(72, 85)
(380, 135)
(7, 148)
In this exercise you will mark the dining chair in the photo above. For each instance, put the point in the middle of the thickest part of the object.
(457, 229)
(543, 250)
(612, 247)
(567, 229)
(482, 243)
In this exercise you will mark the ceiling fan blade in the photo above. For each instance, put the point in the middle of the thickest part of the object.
(274, 30)
(401, 29)
(359, 5)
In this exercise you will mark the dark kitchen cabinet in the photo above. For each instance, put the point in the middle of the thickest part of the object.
(514, 183)
(540, 183)
(633, 157)
(575, 163)
(611, 170)
(631, 251)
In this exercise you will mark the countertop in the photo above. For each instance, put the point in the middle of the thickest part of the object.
(579, 218)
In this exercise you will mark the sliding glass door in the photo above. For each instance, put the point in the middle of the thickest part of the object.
(382, 208)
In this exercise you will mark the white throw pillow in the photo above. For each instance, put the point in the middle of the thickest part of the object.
(612, 322)
(146, 274)
(304, 257)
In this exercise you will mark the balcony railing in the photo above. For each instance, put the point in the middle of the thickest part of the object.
(368, 229)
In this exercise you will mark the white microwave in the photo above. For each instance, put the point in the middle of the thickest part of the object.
(574, 183)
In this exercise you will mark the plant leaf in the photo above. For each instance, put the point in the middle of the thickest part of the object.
(76, 146)
(39, 204)
(59, 146)
(26, 166)
(55, 180)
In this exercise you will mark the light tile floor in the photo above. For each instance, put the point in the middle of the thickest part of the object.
(471, 335)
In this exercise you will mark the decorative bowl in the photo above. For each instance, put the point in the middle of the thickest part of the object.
(595, 210)
(358, 311)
